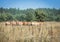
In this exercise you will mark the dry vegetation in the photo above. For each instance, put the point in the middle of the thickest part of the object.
(46, 32)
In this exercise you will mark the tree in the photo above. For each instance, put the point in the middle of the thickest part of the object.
(40, 16)
(58, 18)
(21, 17)
(30, 14)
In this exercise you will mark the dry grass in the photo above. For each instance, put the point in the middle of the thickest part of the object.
(46, 32)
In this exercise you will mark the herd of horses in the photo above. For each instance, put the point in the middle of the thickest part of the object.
(21, 23)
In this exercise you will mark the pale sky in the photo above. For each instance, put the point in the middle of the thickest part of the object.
(24, 4)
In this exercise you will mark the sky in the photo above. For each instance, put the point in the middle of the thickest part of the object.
(24, 4)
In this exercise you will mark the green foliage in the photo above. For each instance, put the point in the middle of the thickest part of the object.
(39, 14)
(6, 17)
(21, 17)
(30, 15)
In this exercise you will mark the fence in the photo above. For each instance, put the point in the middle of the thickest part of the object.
(46, 32)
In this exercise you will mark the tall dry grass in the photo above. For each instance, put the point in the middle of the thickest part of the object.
(45, 32)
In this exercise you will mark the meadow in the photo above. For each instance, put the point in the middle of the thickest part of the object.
(45, 32)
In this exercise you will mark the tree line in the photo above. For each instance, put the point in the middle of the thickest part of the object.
(39, 14)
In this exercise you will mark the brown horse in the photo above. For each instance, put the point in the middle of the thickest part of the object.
(29, 23)
(13, 22)
(25, 23)
(19, 23)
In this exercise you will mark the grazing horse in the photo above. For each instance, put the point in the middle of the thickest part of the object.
(13, 23)
(25, 23)
(19, 23)
(35, 23)
(7, 23)
(29, 23)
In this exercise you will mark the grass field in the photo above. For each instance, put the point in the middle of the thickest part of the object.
(46, 32)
